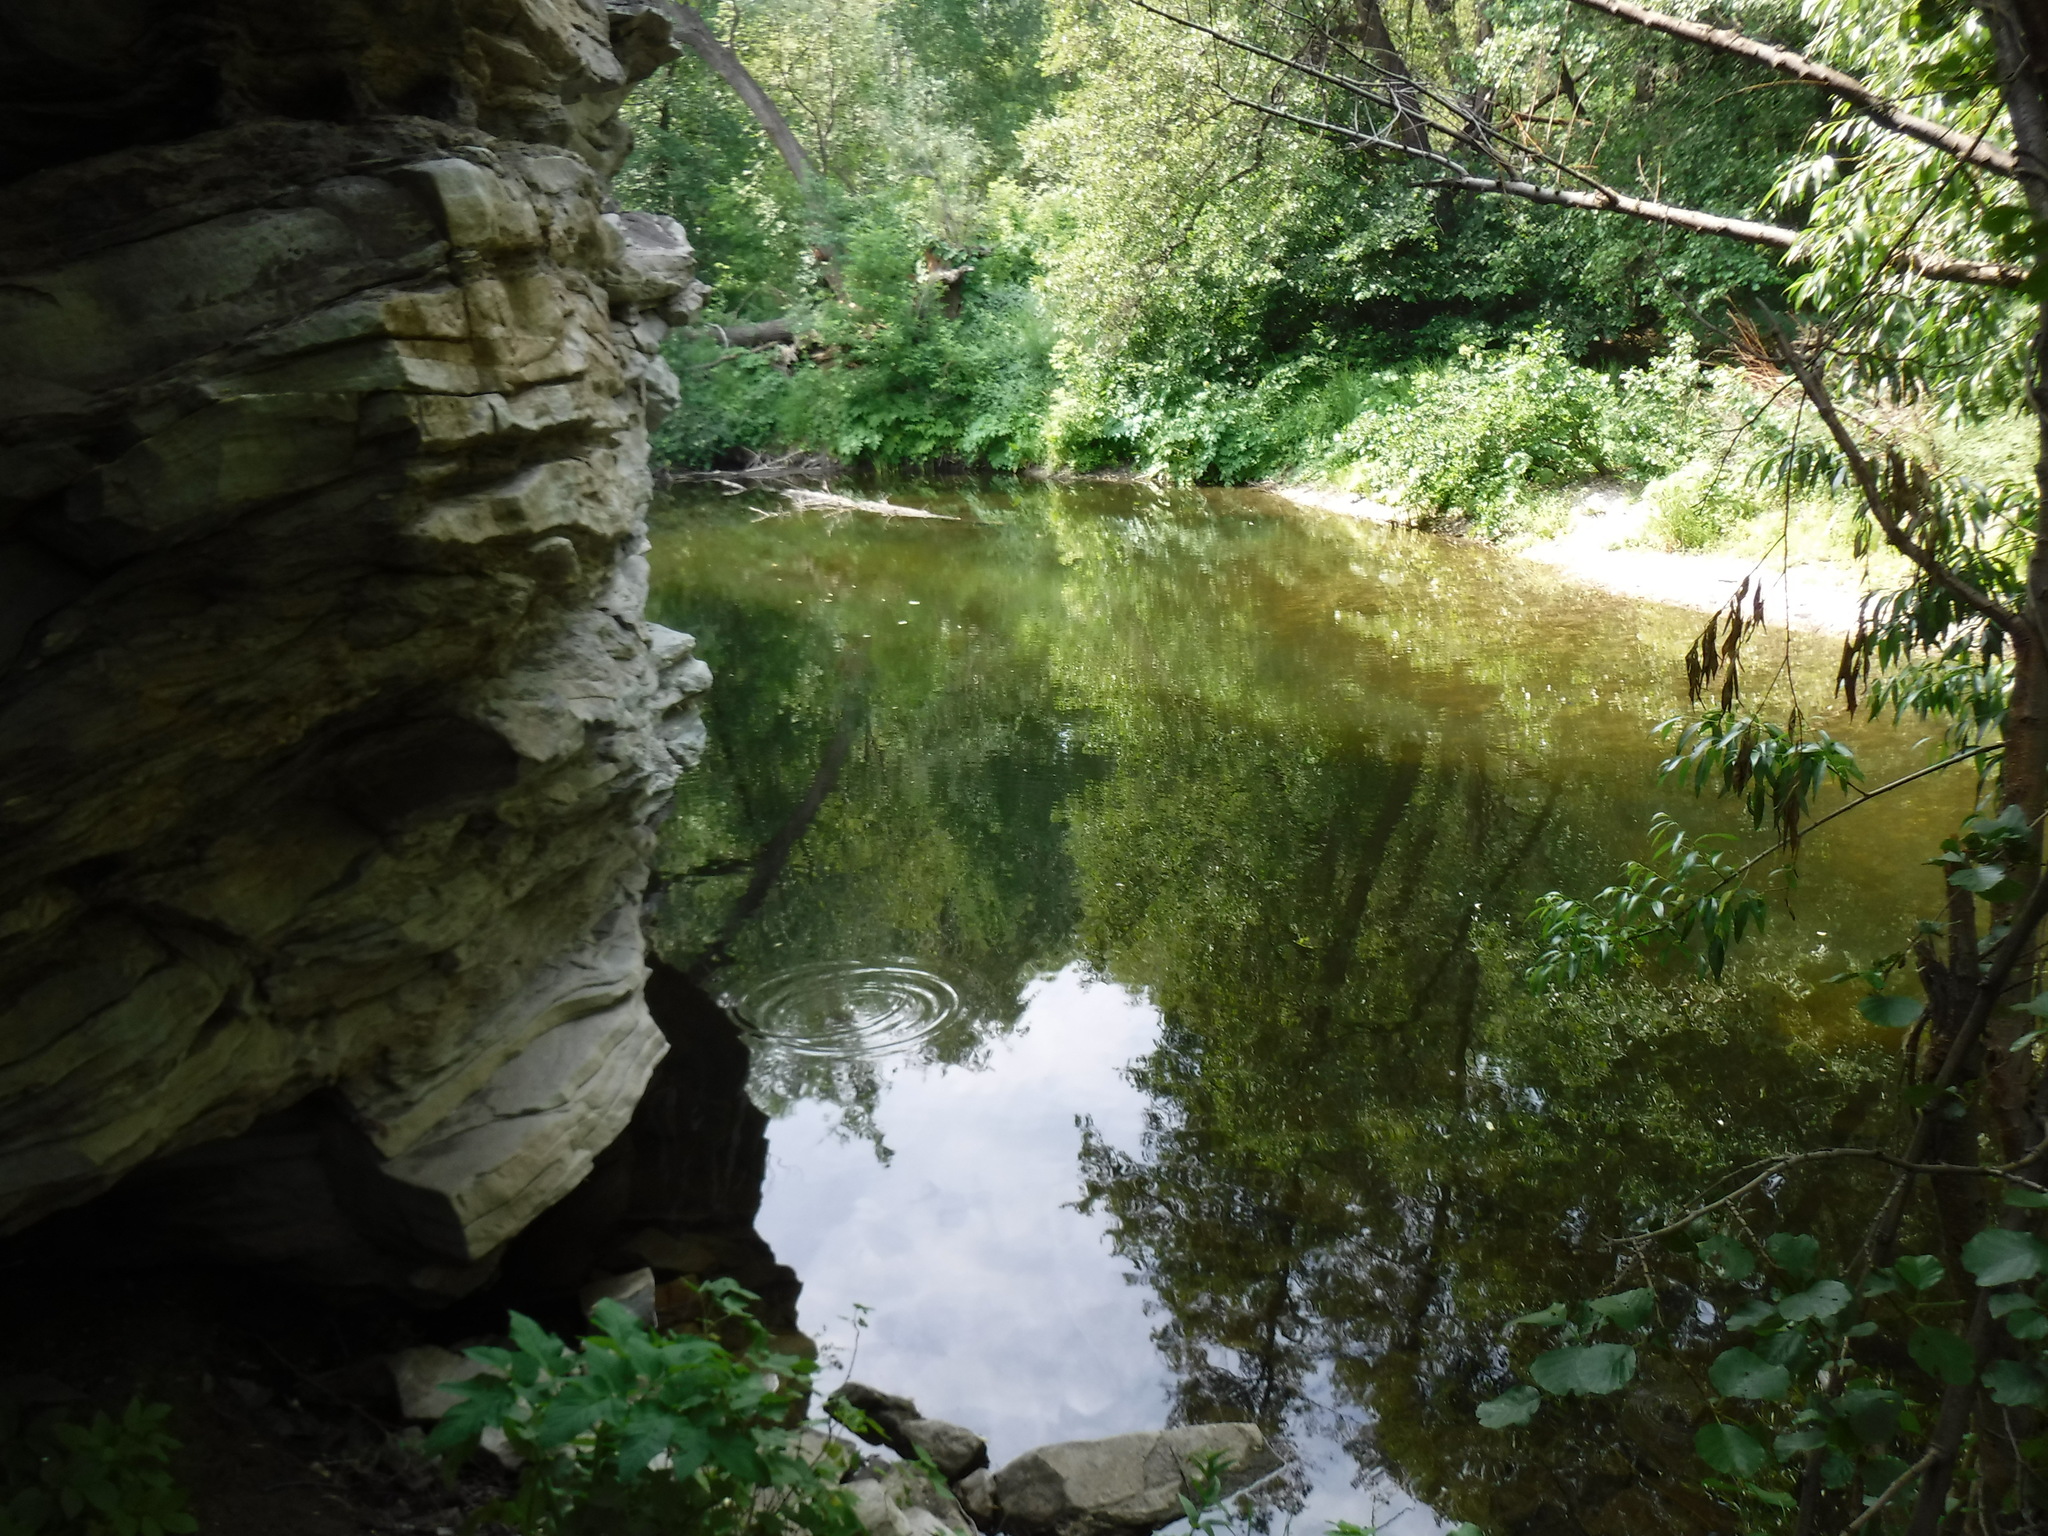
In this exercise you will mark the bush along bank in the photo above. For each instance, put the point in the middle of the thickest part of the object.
(1491, 442)
(702, 1427)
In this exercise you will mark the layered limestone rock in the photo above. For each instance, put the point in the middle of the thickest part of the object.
(331, 737)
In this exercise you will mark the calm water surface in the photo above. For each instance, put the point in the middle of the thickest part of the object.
(1126, 891)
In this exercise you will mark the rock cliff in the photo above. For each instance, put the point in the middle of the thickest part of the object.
(331, 737)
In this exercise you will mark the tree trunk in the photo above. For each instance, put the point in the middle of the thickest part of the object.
(1410, 127)
(725, 64)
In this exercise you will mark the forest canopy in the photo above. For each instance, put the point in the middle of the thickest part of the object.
(1042, 232)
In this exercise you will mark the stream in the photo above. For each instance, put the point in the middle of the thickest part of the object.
(1126, 891)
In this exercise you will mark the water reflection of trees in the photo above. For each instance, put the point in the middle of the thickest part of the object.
(1198, 752)
(872, 790)
(1368, 1145)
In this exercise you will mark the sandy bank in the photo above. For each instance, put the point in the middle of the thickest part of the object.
(1602, 545)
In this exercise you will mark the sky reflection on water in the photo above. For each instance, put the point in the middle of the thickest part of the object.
(992, 1300)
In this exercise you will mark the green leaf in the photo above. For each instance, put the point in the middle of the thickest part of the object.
(1797, 1442)
(1872, 1417)
(2015, 1384)
(1588, 1370)
(1822, 1299)
(563, 1421)
(1979, 877)
(1727, 1258)
(2027, 1199)
(1627, 1310)
(1515, 1406)
(2037, 1006)
(2029, 1323)
(1997, 1256)
(1889, 1011)
(1786, 1347)
(1941, 1354)
(1750, 1313)
(1728, 1449)
(1549, 1317)
(1922, 1271)
(1795, 1253)
(1742, 1373)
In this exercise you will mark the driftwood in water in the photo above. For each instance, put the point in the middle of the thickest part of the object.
(788, 466)
(826, 501)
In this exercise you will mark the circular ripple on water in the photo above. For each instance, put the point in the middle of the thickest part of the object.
(838, 1009)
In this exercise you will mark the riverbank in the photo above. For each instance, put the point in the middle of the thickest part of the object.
(1601, 539)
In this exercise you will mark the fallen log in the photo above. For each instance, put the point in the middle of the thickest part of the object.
(827, 501)
(752, 333)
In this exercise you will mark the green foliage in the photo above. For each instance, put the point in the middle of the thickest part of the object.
(639, 1431)
(106, 1476)
(1688, 899)
(1162, 284)
(1842, 1380)
(1471, 437)
(1700, 504)
(907, 382)
(1775, 772)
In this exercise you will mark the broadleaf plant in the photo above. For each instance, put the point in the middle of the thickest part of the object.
(633, 1431)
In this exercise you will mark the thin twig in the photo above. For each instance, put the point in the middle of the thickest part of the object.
(1776, 1166)
(1897, 1487)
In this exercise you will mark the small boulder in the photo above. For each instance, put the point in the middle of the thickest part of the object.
(1124, 1485)
(897, 1499)
(977, 1495)
(634, 1291)
(421, 1375)
(955, 1451)
(886, 1409)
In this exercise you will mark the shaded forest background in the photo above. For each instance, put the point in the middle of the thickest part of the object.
(1039, 235)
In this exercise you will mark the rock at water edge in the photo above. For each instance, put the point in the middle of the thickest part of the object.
(1123, 1484)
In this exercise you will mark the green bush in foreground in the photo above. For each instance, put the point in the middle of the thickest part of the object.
(107, 1477)
(635, 1431)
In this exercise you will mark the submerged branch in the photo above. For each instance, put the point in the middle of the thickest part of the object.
(829, 502)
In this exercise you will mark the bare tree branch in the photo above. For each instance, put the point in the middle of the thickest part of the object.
(1488, 141)
(1952, 141)
(1605, 199)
